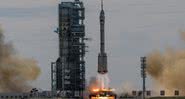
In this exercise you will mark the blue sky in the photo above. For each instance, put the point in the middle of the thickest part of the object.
(134, 28)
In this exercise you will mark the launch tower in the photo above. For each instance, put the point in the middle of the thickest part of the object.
(68, 72)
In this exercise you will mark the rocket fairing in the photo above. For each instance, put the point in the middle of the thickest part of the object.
(102, 57)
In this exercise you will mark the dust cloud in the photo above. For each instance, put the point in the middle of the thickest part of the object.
(16, 72)
(167, 68)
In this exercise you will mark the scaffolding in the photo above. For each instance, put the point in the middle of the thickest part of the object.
(68, 72)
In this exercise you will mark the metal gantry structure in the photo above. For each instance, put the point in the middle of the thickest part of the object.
(68, 72)
(143, 75)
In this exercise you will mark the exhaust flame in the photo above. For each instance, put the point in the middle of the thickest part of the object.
(93, 84)
(99, 83)
(15, 72)
(167, 68)
(103, 81)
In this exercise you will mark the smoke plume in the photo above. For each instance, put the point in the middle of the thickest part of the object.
(93, 84)
(168, 68)
(125, 89)
(103, 81)
(15, 72)
(99, 82)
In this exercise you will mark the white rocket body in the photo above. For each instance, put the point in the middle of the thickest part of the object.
(102, 57)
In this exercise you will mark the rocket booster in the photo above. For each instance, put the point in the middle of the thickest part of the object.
(102, 57)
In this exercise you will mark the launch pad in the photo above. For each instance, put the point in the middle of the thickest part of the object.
(102, 94)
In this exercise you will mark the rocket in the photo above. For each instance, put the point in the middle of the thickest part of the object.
(102, 57)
